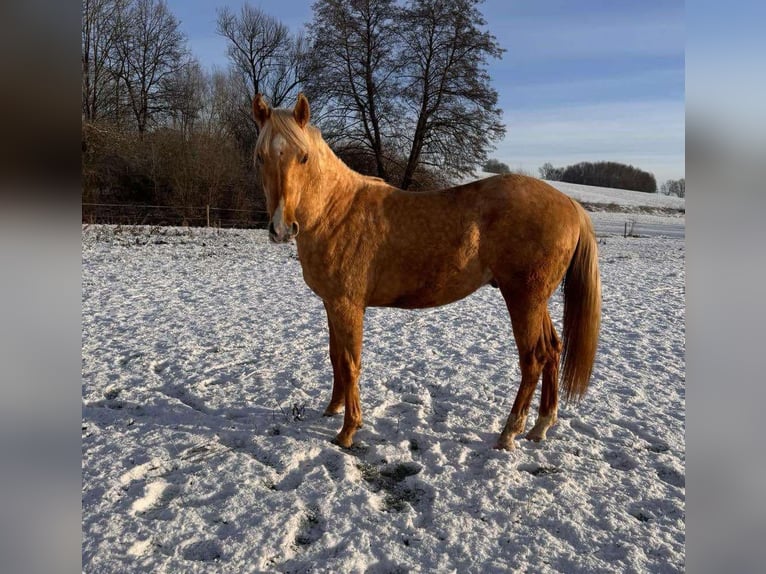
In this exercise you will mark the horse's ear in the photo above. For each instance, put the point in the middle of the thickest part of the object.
(302, 113)
(261, 110)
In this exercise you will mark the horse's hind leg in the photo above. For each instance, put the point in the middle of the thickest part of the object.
(527, 324)
(548, 411)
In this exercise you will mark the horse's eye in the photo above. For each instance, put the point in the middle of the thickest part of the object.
(305, 158)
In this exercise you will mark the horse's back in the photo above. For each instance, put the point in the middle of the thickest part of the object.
(521, 199)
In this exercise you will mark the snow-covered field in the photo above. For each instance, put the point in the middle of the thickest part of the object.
(606, 196)
(623, 197)
(205, 371)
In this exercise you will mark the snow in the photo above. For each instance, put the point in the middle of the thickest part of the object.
(205, 372)
(606, 196)
(623, 197)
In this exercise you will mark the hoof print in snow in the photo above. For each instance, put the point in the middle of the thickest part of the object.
(389, 478)
(399, 500)
(540, 470)
(291, 482)
(658, 447)
(398, 472)
(203, 551)
(620, 461)
(357, 449)
(157, 368)
(385, 566)
(640, 516)
(311, 529)
(671, 476)
(657, 510)
(125, 360)
(112, 392)
(154, 502)
(584, 428)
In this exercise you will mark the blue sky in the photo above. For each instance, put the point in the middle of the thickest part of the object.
(591, 80)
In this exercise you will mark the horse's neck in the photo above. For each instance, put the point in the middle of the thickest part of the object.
(336, 185)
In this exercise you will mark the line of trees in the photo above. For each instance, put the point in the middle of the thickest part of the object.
(602, 174)
(400, 90)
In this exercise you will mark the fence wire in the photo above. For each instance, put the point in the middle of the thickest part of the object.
(165, 215)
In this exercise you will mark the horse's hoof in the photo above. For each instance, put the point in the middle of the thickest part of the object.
(539, 432)
(343, 442)
(505, 445)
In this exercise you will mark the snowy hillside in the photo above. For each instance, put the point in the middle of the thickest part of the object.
(205, 371)
(607, 196)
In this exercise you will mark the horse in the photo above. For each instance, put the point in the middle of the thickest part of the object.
(364, 243)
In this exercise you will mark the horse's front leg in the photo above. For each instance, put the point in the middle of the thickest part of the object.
(346, 323)
(338, 400)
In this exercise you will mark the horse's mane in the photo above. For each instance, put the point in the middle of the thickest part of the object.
(304, 139)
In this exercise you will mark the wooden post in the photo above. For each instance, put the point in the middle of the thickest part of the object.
(208, 216)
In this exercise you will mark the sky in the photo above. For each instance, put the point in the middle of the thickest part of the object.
(592, 80)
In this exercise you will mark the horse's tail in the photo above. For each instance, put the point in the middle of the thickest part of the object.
(582, 312)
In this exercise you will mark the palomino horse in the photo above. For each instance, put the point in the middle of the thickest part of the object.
(362, 243)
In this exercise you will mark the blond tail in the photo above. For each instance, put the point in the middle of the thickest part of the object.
(582, 312)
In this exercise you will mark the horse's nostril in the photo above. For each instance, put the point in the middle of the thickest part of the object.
(272, 231)
(294, 228)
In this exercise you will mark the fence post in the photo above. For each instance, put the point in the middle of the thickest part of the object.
(208, 215)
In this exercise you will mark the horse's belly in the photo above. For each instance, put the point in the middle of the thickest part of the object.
(426, 298)
(423, 291)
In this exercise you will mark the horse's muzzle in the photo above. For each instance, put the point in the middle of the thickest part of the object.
(286, 234)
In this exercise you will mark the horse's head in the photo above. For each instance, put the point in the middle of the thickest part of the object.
(282, 156)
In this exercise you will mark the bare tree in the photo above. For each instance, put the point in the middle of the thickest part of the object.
(99, 40)
(409, 84)
(447, 88)
(264, 58)
(674, 187)
(151, 49)
(289, 72)
(549, 172)
(353, 72)
(262, 51)
(184, 92)
(221, 103)
(230, 108)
